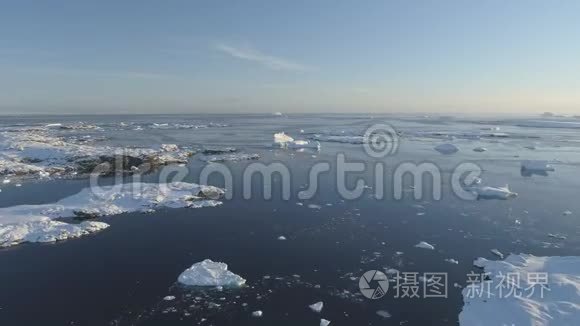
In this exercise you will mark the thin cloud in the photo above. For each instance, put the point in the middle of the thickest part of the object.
(252, 55)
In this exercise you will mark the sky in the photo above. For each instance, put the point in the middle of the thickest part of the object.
(439, 56)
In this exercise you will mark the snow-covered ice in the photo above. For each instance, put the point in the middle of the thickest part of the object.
(553, 301)
(210, 273)
(425, 245)
(317, 307)
(537, 166)
(285, 141)
(257, 313)
(383, 313)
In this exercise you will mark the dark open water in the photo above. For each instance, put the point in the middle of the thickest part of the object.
(120, 276)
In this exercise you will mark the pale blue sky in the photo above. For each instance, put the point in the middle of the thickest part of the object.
(292, 56)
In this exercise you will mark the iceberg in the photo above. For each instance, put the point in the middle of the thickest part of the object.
(44, 229)
(324, 322)
(551, 299)
(210, 273)
(232, 157)
(317, 307)
(537, 166)
(480, 149)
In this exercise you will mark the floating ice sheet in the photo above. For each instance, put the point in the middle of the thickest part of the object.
(553, 301)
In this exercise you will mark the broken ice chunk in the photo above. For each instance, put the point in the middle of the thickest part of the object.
(425, 245)
(317, 307)
(324, 322)
(537, 166)
(383, 313)
(452, 261)
(487, 192)
(210, 273)
(281, 238)
(43, 229)
(480, 149)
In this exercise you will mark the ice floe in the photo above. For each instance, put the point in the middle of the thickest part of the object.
(425, 245)
(447, 149)
(257, 313)
(210, 273)
(285, 141)
(546, 293)
(480, 149)
(452, 261)
(43, 229)
(324, 322)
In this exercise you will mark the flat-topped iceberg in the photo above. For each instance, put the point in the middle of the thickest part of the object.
(45, 230)
(546, 292)
(210, 273)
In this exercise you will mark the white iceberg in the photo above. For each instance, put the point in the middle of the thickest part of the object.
(210, 273)
(497, 253)
(113, 200)
(257, 313)
(383, 313)
(551, 299)
(447, 149)
(317, 307)
(324, 322)
(480, 149)
(44, 229)
(488, 192)
(283, 140)
(425, 245)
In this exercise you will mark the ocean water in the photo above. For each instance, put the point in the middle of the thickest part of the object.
(120, 276)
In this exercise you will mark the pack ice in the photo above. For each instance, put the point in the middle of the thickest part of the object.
(553, 301)
(25, 223)
(210, 273)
